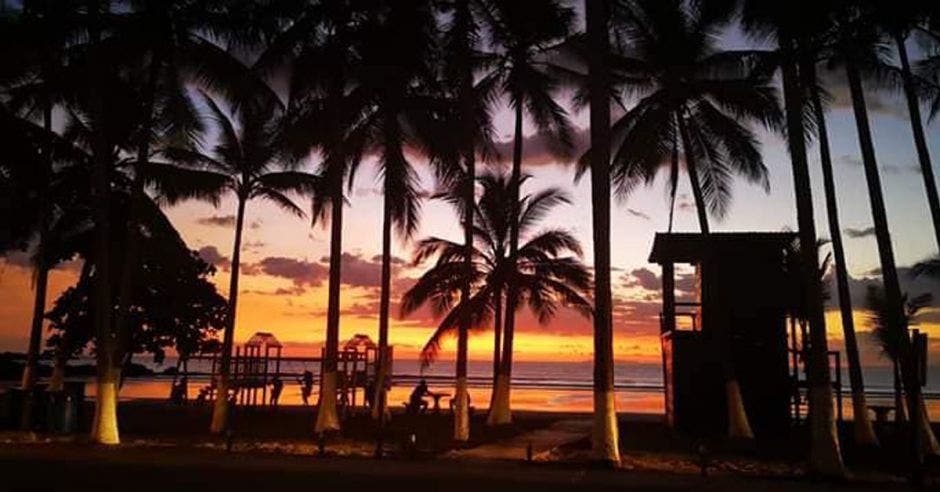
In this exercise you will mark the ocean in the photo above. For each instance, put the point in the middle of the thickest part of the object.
(545, 386)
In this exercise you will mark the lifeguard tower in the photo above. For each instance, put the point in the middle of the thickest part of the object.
(741, 288)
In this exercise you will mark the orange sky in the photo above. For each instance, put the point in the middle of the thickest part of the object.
(284, 264)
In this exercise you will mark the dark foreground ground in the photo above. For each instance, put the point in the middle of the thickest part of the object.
(76, 467)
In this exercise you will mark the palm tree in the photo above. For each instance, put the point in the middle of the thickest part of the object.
(864, 432)
(785, 23)
(403, 108)
(461, 43)
(525, 33)
(38, 36)
(244, 163)
(605, 436)
(165, 44)
(858, 48)
(892, 341)
(898, 20)
(698, 97)
(549, 270)
(316, 53)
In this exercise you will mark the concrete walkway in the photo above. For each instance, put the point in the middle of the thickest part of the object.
(543, 441)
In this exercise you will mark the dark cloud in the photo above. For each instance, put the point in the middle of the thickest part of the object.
(394, 260)
(217, 221)
(636, 213)
(18, 258)
(211, 255)
(300, 272)
(840, 97)
(643, 278)
(860, 232)
(858, 289)
(538, 150)
(889, 168)
(255, 224)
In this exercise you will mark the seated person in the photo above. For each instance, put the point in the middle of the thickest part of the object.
(417, 403)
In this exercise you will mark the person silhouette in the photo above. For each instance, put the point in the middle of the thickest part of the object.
(306, 386)
(417, 403)
(276, 387)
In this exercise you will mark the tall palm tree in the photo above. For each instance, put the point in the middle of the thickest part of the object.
(701, 98)
(524, 34)
(859, 49)
(316, 53)
(397, 82)
(245, 162)
(605, 436)
(38, 36)
(864, 431)
(166, 44)
(461, 42)
(899, 20)
(549, 270)
(784, 23)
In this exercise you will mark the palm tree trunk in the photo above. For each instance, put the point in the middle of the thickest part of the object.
(462, 410)
(864, 432)
(327, 418)
(497, 333)
(605, 447)
(825, 454)
(739, 426)
(692, 169)
(920, 141)
(500, 412)
(220, 412)
(30, 368)
(131, 246)
(900, 408)
(463, 17)
(384, 303)
(104, 428)
(889, 272)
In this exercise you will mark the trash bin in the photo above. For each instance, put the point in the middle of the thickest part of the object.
(64, 408)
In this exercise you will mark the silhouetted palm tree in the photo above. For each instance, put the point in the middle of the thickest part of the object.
(549, 270)
(899, 20)
(317, 54)
(605, 437)
(524, 34)
(786, 24)
(692, 96)
(699, 98)
(461, 43)
(397, 82)
(864, 432)
(36, 39)
(245, 163)
(860, 50)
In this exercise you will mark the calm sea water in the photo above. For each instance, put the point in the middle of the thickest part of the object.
(549, 386)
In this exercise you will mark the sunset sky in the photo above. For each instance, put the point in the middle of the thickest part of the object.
(285, 266)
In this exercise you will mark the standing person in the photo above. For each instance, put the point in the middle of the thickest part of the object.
(306, 386)
(276, 387)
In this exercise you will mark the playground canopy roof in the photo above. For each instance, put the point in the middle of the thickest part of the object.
(263, 339)
(359, 340)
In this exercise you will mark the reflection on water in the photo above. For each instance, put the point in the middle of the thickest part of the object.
(632, 400)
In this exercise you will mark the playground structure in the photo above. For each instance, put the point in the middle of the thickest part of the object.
(357, 369)
(739, 303)
(259, 360)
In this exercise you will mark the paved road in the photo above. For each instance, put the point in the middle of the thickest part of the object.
(69, 467)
